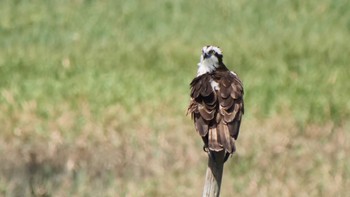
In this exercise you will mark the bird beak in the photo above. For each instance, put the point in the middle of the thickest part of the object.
(205, 56)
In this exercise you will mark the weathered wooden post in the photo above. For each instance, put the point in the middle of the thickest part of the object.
(214, 174)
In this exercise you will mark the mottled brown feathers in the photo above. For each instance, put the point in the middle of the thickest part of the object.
(217, 113)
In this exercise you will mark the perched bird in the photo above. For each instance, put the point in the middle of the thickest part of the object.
(216, 105)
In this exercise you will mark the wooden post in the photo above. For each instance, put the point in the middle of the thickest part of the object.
(214, 174)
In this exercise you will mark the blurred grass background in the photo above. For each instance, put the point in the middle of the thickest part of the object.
(93, 96)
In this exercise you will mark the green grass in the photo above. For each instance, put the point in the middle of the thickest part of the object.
(98, 90)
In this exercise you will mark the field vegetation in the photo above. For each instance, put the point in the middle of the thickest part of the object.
(93, 96)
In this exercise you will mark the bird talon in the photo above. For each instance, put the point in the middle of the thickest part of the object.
(205, 149)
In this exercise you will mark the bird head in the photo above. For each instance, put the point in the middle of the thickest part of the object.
(211, 58)
(211, 54)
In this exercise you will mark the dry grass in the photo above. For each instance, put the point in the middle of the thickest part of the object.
(284, 161)
(111, 156)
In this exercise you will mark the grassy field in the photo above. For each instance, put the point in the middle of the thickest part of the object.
(93, 96)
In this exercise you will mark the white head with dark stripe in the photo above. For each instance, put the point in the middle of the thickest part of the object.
(211, 58)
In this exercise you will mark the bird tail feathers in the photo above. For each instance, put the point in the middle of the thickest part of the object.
(220, 139)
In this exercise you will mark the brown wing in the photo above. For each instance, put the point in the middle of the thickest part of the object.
(230, 96)
(203, 103)
(217, 114)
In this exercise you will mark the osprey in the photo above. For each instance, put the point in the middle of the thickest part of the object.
(216, 105)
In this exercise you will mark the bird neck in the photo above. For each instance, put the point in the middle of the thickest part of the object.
(206, 66)
(209, 67)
